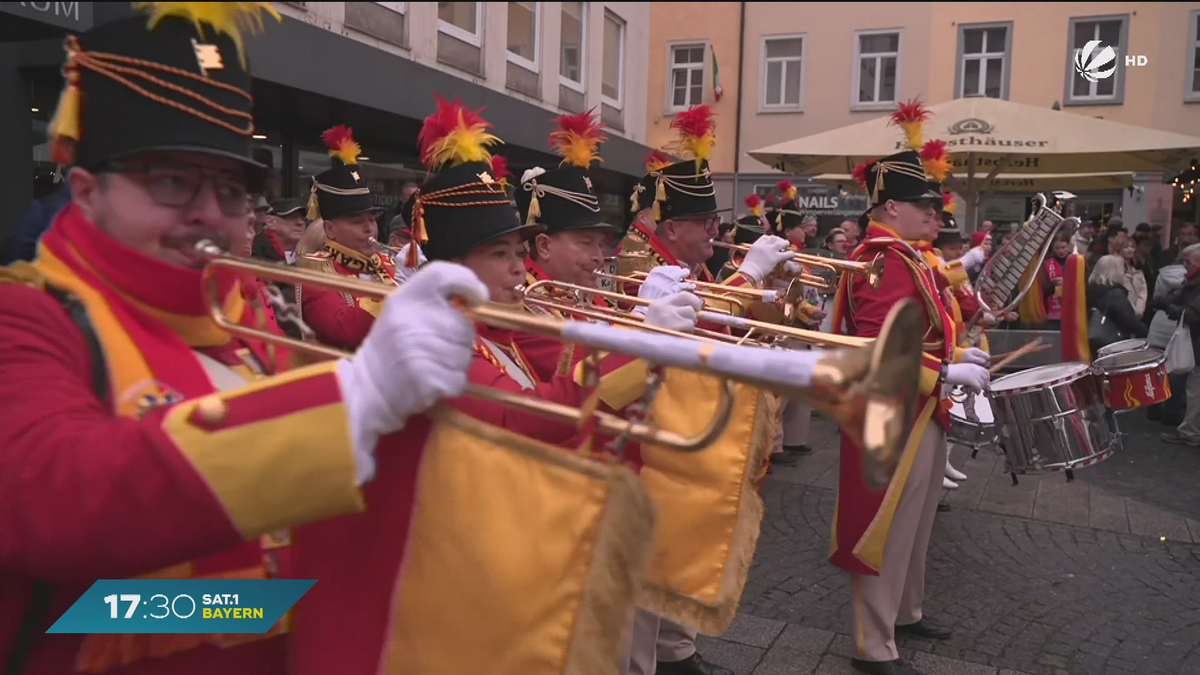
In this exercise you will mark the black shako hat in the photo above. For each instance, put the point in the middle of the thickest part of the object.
(899, 177)
(748, 228)
(683, 189)
(340, 190)
(787, 213)
(464, 204)
(563, 198)
(176, 80)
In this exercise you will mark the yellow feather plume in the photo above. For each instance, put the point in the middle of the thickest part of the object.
(230, 18)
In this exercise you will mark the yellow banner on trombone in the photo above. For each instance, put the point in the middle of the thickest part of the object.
(709, 509)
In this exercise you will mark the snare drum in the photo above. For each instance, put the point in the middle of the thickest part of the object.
(1122, 346)
(977, 433)
(1052, 418)
(1134, 379)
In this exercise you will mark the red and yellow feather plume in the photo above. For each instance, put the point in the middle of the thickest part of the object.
(911, 117)
(936, 160)
(787, 191)
(229, 18)
(656, 160)
(697, 132)
(577, 138)
(454, 135)
(860, 173)
(948, 202)
(341, 144)
(754, 205)
(500, 171)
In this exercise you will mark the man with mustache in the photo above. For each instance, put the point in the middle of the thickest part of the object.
(139, 437)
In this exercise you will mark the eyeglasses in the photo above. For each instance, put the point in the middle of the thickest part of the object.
(178, 185)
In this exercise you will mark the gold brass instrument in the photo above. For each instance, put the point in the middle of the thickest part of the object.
(814, 338)
(873, 270)
(787, 301)
(384, 248)
(868, 391)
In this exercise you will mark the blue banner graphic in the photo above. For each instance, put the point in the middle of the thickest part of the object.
(182, 606)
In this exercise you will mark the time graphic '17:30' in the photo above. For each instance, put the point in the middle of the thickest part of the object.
(159, 602)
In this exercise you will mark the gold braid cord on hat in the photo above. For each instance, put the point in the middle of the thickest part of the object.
(899, 167)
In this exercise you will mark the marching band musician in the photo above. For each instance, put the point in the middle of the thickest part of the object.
(881, 539)
(680, 200)
(341, 199)
(463, 214)
(132, 442)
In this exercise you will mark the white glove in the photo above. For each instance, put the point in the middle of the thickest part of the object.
(974, 258)
(678, 311)
(968, 375)
(417, 353)
(793, 268)
(665, 280)
(976, 356)
(764, 256)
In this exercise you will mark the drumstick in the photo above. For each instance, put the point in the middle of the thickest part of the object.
(1033, 346)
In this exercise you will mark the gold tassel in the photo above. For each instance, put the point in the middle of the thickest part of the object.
(634, 201)
(660, 190)
(420, 236)
(535, 209)
(314, 205)
(64, 133)
(658, 212)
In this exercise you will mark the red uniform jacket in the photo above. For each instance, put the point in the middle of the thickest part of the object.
(861, 310)
(87, 493)
(340, 319)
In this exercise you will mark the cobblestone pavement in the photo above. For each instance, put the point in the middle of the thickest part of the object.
(1025, 596)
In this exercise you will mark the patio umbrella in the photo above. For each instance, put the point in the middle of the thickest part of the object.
(986, 137)
(1015, 183)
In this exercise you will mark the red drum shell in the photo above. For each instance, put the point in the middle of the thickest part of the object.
(1134, 379)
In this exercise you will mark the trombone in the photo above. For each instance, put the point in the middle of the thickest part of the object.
(787, 302)
(873, 270)
(815, 338)
(869, 391)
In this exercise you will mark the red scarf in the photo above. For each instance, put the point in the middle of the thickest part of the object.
(1055, 269)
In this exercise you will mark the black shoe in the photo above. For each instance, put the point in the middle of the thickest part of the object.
(695, 665)
(943, 506)
(798, 449)
(926, 628)
(783, 459)
(897, 667)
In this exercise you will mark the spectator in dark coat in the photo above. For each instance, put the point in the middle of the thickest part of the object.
(1185, 304)
(1107, 295)
(34, 223)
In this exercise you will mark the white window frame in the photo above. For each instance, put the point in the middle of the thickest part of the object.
(855, 103)
(1005, 59)
(615, 102)
(1118, 95)
(763, 106)
(516, 59)
(702, 67)
(1191, 95)
(581, 87)
(397, 7)
(474, 39)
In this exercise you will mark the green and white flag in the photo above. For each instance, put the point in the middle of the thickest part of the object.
(718, 90)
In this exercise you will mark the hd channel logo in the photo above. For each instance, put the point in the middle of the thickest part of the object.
(1096, 61)
(182, 606)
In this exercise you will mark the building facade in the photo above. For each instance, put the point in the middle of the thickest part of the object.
(809, 67)
(375, 66)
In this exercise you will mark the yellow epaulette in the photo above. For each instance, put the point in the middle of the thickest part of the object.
(318, 262)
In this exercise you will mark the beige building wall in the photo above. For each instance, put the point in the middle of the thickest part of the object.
(824, 39)
(616, 32)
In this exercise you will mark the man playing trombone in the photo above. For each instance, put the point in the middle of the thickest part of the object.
(881, 538)
(132, 441)
(341, 198)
